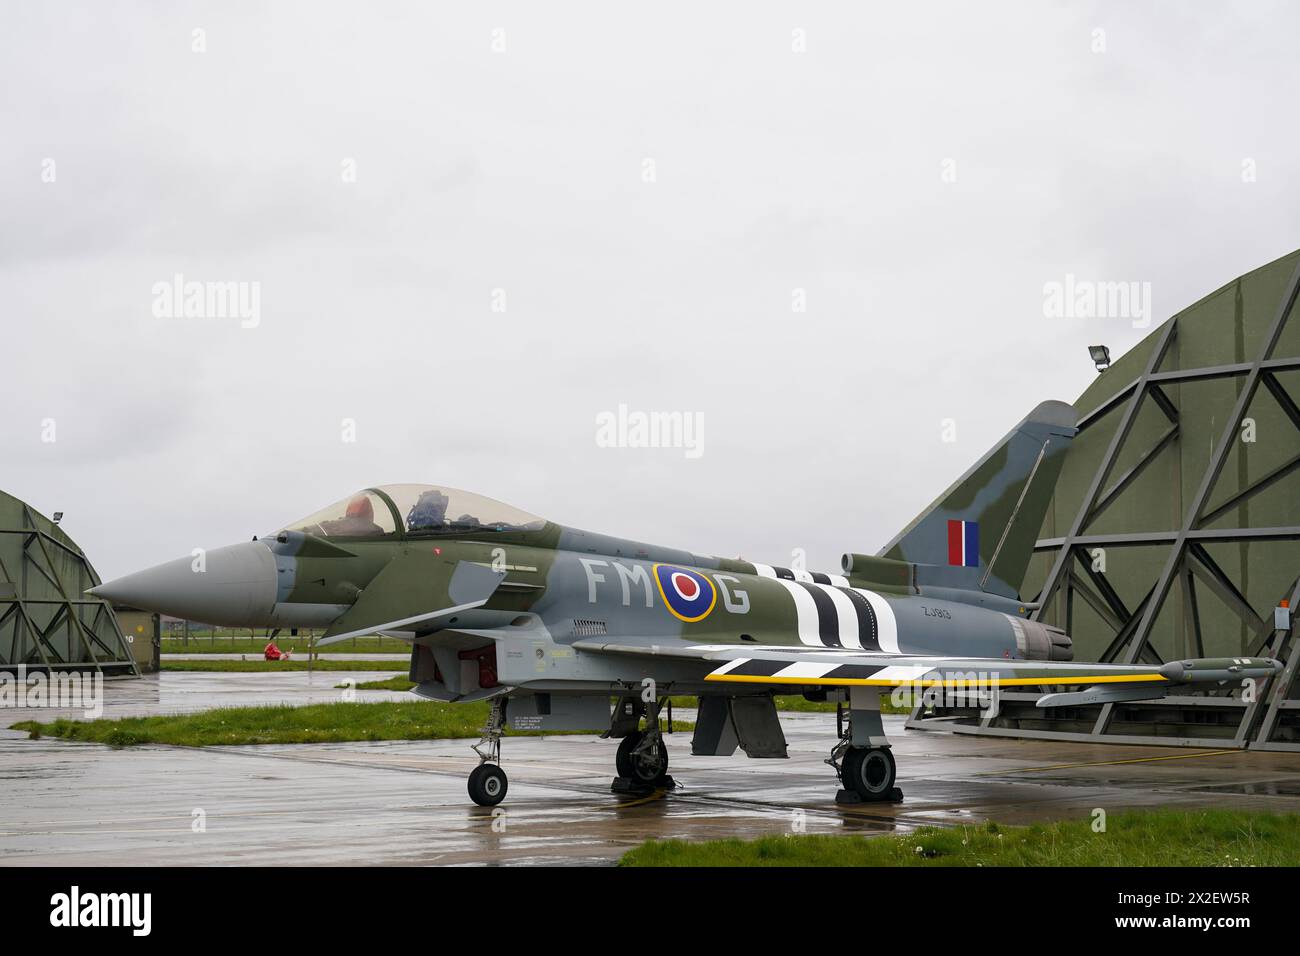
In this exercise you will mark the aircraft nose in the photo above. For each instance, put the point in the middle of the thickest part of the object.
(234, 586)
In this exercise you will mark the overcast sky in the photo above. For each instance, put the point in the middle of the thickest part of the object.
(644, 187)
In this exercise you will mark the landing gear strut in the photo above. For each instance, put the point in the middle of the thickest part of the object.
(642, 759)
(487, 782)
(862, 757)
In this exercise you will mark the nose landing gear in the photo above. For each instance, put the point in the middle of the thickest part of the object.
(488, 783)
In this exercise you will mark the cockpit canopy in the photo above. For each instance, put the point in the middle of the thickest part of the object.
(414, 510)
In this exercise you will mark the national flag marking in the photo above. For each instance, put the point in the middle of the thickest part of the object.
(963, 543)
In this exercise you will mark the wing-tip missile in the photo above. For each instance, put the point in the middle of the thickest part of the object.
(1217, 669)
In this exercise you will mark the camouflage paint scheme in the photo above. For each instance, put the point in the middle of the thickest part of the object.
(592, 608)
(531, 610)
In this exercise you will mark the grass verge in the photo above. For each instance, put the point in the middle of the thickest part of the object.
(282, 724)
(793, 703)
(366, 645)
(293, 664)
(1155, 838)
(396, 682)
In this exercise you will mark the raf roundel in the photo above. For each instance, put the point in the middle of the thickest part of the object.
(689, 596)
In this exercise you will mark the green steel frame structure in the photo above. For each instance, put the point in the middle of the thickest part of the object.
(46, 620)
(1175, 527)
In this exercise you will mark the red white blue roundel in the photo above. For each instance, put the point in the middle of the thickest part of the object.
(690, 596)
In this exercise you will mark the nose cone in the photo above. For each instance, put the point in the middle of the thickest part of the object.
(234, 586)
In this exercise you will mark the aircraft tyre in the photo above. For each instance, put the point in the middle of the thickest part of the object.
(869, 772)
(488, 785)
(650, 767)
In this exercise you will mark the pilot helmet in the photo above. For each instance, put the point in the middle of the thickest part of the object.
(429, 510)
(361, 508)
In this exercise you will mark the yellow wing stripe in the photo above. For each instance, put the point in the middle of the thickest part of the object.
(935, 682)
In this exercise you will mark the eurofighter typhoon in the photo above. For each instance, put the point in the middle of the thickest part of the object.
(562, 629)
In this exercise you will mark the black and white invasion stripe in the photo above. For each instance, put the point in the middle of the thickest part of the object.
(818, 672)
(807, 577)
(830, 613)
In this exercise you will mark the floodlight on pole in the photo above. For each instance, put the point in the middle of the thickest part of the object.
(1100, 357)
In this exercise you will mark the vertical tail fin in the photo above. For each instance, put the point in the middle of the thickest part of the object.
(980, 533)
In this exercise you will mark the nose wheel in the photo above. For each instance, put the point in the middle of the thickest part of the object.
(488, 785)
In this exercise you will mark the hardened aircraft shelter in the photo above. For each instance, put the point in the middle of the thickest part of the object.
(1175, 527)
(47, 622)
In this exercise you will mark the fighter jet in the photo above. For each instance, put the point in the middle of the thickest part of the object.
(562, 629)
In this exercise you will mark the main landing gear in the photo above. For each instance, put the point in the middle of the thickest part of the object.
(642, 758)
(487, 782)
(862, 757)
(869, 772)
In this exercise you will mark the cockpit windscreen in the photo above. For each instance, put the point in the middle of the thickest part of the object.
(420, 510)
